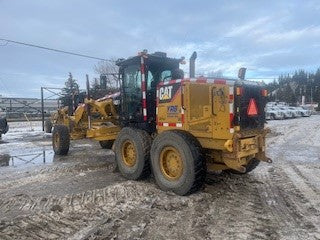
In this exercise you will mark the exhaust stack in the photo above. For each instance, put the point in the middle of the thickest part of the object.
(242, 73)
(192, 66)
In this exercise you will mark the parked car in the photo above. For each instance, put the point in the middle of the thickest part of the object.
(295, 112)
(286, 112)
(274, 113)
(304, 112)
(4, 127)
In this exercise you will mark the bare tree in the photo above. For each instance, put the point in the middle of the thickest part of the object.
(110, 70)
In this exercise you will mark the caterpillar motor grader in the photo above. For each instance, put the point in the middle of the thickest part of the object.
(174, 127)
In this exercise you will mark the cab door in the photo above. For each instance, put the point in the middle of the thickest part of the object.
(131, 104)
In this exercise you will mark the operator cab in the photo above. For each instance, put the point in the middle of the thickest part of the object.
(139, 78)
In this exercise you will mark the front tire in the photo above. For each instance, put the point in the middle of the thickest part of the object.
(60, 139)
(177, 162)
(132, 150)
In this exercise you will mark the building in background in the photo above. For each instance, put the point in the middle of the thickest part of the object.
(16, 108)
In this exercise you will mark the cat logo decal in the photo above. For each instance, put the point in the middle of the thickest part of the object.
(165, 93)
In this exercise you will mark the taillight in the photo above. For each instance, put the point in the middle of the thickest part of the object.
(239, 91)
(264, 92)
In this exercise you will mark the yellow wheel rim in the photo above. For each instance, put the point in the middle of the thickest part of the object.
(129, 154)
(171, 164)
(56, 140)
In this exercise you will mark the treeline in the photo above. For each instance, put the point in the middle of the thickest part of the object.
(291, 88)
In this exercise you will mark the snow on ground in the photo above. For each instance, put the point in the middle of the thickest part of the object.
(295, 139)
(25, 144)
(80, 196)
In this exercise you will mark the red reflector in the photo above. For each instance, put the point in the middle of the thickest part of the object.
(252, 108)
(231, 120)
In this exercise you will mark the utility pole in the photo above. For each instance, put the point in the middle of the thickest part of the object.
(311, 97)
(42, 108)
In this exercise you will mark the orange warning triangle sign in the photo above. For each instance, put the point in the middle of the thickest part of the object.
(252, 108)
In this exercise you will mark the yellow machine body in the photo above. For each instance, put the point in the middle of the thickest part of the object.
(100, 124)
(203, 109)
(206, 110)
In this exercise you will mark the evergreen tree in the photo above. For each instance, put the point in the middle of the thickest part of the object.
(291, 88)
(71, 86)
(70, 94)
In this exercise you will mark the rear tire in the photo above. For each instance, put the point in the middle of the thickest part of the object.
(177, 162)
(132, 151)
(60, 140)
(48, 126)
(106, 144)
(249, 168)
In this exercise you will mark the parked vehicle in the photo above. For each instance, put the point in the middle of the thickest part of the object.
(286, 112)
(295, 112)
(304, 112)
(274, 113)
(3, 123)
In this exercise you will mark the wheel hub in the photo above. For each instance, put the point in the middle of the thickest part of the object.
(171, 164)
(129, 154)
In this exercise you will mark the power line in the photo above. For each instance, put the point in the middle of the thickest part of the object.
(263, 78)
(53, 49)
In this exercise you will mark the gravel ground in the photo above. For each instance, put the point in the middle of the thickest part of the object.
(80, 196)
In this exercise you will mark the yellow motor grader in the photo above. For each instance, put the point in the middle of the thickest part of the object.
(96, 119)
(174, 127)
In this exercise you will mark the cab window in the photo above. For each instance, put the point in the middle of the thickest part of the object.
(165, 76)
(132, 78)
(150, 80)
(131, 104)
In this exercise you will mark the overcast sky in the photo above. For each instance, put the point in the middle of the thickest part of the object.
(267, 37)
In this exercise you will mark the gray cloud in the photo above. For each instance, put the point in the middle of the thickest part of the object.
(269, 37)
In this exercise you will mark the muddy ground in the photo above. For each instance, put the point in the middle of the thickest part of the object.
(80, 196)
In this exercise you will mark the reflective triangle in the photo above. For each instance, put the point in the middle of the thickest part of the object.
(252, 108)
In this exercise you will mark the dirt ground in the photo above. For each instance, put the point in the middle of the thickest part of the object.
(80, 196)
